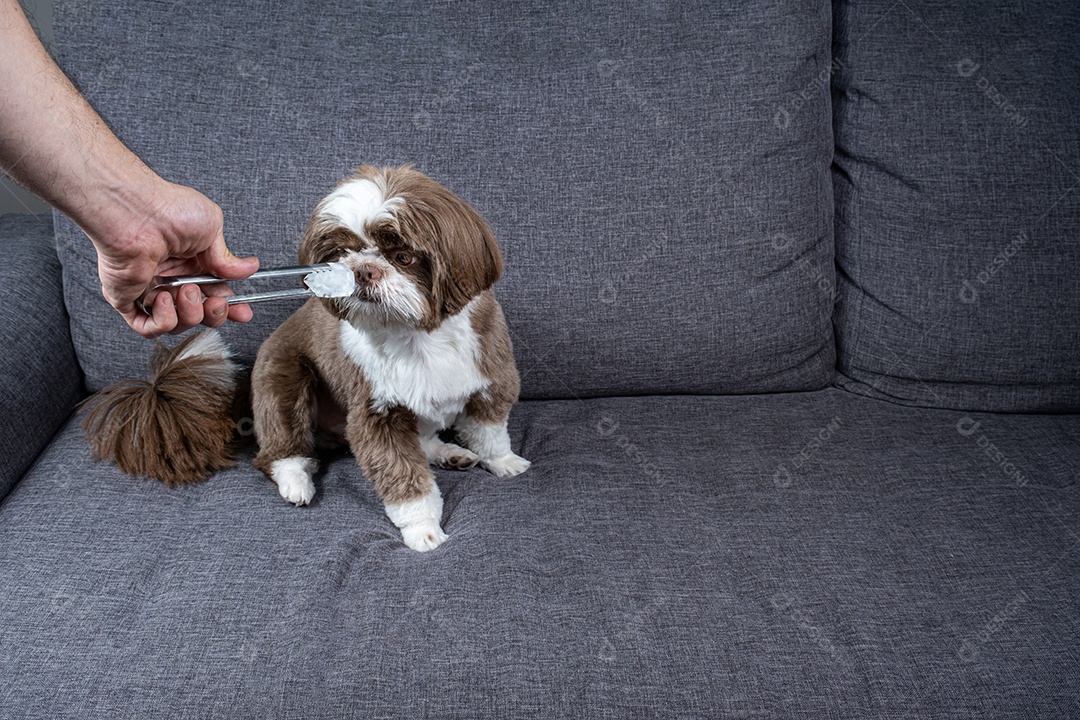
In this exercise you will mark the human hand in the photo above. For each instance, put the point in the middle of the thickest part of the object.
(173, 230)
(55, 144)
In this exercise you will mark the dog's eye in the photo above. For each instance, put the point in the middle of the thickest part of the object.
(404, 259)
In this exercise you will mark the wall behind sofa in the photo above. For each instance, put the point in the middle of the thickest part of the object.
(13, 197)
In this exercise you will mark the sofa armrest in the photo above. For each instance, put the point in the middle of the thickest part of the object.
(40, 378)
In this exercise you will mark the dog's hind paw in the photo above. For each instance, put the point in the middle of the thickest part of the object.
(449, 456)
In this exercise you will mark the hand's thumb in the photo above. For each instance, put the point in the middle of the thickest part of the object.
(218, 260)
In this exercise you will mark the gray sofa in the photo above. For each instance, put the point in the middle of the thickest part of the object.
(793, 290)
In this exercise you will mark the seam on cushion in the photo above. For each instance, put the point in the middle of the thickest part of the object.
(853, 335)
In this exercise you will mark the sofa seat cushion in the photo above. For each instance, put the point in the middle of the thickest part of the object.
(657, 174)
(958, 203)
(794, 555)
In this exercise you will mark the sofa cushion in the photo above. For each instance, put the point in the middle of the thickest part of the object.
(801, 555)
(657, 174)
(40, 382)
(958, 207)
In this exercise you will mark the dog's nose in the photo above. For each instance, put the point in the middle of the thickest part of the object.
(367, 274)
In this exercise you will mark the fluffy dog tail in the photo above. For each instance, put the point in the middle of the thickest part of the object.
(177, 426)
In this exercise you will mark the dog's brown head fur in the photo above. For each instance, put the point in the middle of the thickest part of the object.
(396, 225)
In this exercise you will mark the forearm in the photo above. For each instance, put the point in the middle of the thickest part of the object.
(54, 143)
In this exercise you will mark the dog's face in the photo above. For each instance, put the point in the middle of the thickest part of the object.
(419, 252)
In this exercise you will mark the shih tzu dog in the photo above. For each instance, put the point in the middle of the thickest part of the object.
(419, 347)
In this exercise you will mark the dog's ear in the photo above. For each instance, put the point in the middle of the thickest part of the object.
(471, 261)
(461, 249)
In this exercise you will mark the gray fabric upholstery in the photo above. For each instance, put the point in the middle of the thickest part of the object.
(799, 556)
(957, 203)
(40, 380)
(657, 174)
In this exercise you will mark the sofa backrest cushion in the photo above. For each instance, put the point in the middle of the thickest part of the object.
(958, 203)
(40, 382)
(658, 174)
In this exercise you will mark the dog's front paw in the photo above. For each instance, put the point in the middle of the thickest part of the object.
(507, 465)
(449, 456)
(293, 478)
(422, 538)
(418, 519)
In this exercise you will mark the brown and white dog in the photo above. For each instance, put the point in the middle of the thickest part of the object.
(419, 347)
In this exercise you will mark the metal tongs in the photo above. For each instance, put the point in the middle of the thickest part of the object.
(159, 284)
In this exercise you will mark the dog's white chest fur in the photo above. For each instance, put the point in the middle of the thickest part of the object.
(431, 373)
